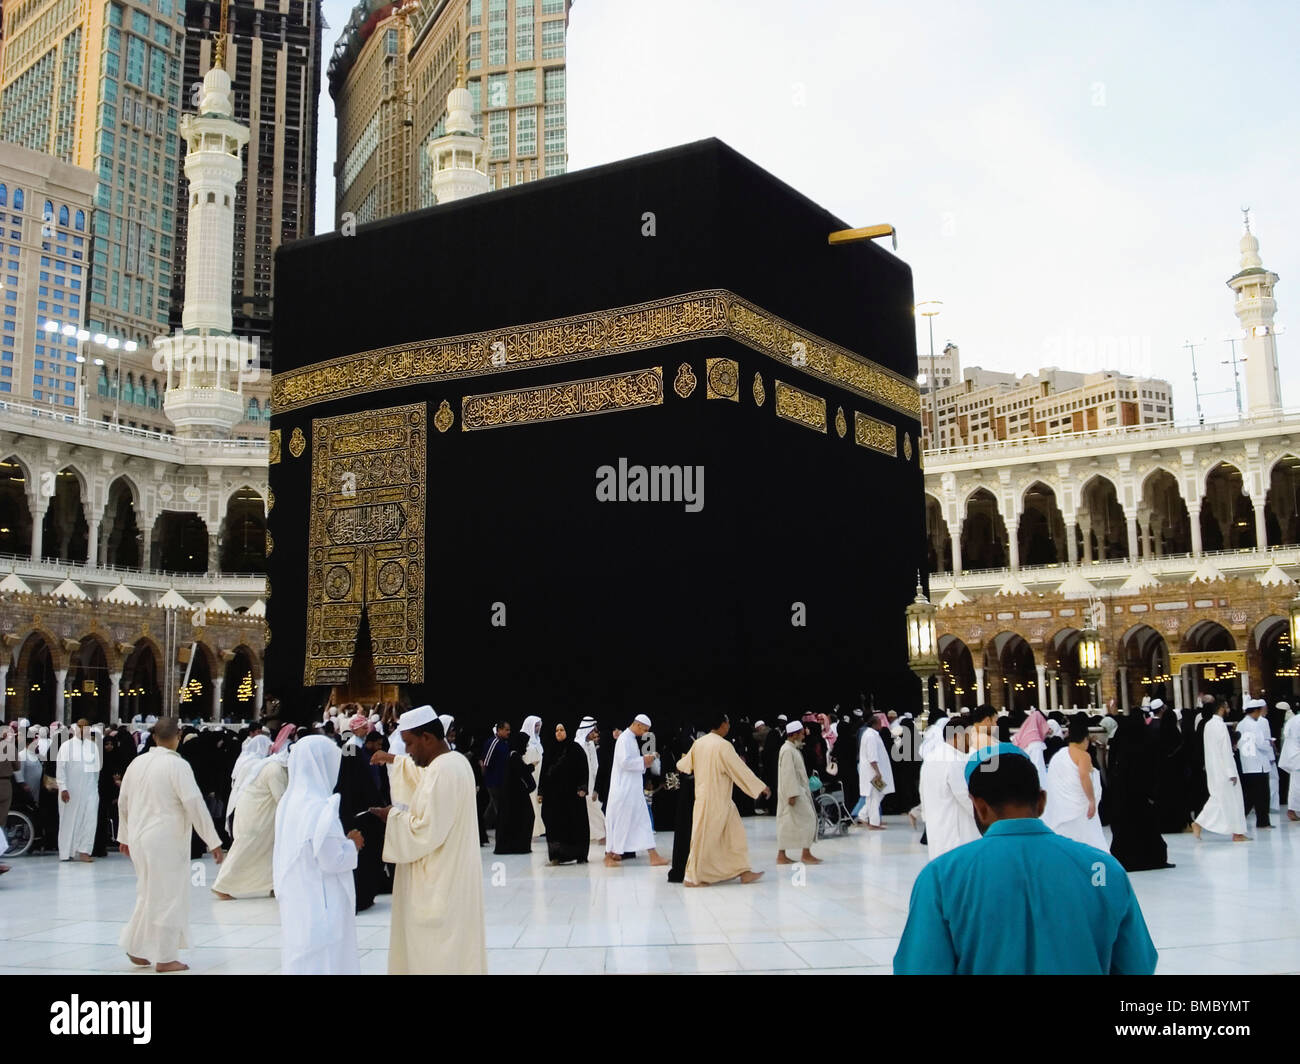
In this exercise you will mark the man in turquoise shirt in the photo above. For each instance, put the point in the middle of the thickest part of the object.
(1022, 900)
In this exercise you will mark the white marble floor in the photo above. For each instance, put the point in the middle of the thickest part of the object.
(1226, 908)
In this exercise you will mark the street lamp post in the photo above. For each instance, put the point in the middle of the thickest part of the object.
(932, 306)
(922, 644)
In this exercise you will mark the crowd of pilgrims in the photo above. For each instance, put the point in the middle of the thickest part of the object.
(1148, 777)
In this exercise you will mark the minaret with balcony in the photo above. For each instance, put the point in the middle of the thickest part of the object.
(1255, 309)
(204, 363)
(457, 156)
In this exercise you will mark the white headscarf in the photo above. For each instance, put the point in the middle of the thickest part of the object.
(309, 807)
(529, 729)
(580, 737)
(932, 737)
(251, 756)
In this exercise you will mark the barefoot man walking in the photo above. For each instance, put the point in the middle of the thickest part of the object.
(796, 820)
(627, 817)
(719, 851)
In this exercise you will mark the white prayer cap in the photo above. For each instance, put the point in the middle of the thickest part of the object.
(1285, 706)
(641, 718)
(760, 724)
(1255, 703)
(415, 718)
(793, 726)
(447, 721)
(1157, 703)
(587, 722)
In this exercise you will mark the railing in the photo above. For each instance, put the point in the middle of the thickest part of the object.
(1112, 569)
(1154, 431)
(108, 576)
(19, 413)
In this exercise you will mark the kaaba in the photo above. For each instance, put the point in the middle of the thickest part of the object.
(636, 438)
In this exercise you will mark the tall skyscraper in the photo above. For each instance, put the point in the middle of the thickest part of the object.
(45, 212)
(390, 76)
(98, 84)
(273, 55)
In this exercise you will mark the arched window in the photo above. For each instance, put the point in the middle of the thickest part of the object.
(103, 381)
(80, 224)
(18, 199)
(63, 215)
(4, 196)
(49, 211)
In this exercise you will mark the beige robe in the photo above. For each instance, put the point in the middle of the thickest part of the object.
(246, 871)
(796, 825)
(719, 850)
(437, 925)
(158, 806)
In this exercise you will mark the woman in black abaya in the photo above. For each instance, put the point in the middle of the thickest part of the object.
(563, 794)
(515, 817)
(1171, 776)
(1133, 764)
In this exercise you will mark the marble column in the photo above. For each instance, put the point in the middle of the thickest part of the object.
(38, 529)
(956, 552)
(1123, 688)
(1042, 686)
(115, 697)
(1071, 543)
(1132, 525)
(979, 687)
(1261, 528)
(92, 543)
(1194, 519)
(261, 688)
(217, 683)
(60, 709)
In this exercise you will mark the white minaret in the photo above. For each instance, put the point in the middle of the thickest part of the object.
(1255, 308)
(204, 364)
(457, 155)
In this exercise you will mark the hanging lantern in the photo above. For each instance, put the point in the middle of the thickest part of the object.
(1090, 654)
(922, 643)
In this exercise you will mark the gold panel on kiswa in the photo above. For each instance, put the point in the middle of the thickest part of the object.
(556, 402)
(366, 543)
(803, 408)
(877, 435)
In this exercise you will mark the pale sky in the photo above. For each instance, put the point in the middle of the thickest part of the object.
(1062, 176)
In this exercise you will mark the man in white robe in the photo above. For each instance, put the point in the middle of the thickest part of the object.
(1225, 812)
(587, 738)
(313, 867)
(874, 765)
(1255, 749)
(945, 800)
(796, 819)
(159, 806)
(627, 817)
(437, 925)
(77, 770)
(1288, 760)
